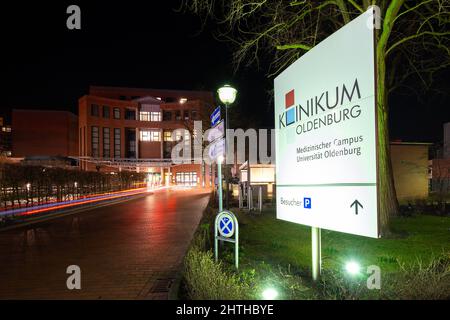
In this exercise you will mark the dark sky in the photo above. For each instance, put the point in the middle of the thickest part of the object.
(147, 44)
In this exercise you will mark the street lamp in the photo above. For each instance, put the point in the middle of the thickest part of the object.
(227, 95)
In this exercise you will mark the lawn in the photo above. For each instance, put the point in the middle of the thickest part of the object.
(414, 261)
(264, 238)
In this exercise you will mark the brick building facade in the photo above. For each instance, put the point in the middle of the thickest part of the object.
(128, 128)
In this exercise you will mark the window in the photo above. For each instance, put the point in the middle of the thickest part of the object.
(94, 110)
(155, 116)
(151, 135)
(167, 115)
(144, 116)
(168, 136)
(186, 115)
(95, 142)
(106, 143)
(116, 113)
(150, 116)
(122, 97)
(186, 178)
(194, 114)
(178, 115)
(106, 112)
(117, 143)
(130, 114)
(179, 134)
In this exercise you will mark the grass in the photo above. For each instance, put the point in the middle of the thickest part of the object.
(414, 261)
(419, 238)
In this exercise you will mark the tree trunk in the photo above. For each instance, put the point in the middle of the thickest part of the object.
(388, 204)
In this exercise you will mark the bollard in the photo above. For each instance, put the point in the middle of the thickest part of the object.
(250, 198)
(260, 199)
(241, 200)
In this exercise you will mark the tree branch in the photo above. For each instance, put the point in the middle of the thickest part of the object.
(414, 36)
(293, 46)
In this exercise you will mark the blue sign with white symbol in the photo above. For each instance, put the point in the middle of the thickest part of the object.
(215, 117)
(307, 203)
(226, 225)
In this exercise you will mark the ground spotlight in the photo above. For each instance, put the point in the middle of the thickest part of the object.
(270, 294)
(352, 267)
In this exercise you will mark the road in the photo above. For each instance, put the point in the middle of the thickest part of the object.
(131, 250)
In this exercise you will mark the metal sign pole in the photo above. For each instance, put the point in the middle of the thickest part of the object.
(216, 241)
(316, 252)
(219, 182)
(236, 243)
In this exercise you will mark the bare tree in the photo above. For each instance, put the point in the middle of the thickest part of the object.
(412, 46)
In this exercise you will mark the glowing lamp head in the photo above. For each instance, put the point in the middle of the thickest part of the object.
(227, 94)
(270, 294)
(352, 268)
(220, 159)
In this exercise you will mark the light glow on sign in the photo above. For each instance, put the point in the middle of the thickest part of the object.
(325, 116)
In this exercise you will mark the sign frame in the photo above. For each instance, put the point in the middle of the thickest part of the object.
(375, 153)
(218, 235)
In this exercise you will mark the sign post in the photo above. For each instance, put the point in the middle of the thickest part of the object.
(326, 141)
(226, 225)
(316, 246)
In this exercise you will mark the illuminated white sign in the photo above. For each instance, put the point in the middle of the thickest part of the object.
(325, 116)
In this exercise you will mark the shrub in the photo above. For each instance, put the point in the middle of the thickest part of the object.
(418, 281)
(207, 280)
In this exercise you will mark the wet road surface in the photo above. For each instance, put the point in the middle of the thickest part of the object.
(131, 250)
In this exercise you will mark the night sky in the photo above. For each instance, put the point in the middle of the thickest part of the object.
(147, 44)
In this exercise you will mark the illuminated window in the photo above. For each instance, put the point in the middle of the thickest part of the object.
(151, 135)
(150, 116)
(155, 116)
(144, 116)
(167, 136)
(179, 134)
(183, 100)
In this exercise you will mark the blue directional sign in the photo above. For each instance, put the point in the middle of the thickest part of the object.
(215, 116)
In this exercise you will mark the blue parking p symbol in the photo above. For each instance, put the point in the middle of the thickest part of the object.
(307, 203)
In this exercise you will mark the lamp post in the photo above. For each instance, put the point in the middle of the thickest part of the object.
(227, 95)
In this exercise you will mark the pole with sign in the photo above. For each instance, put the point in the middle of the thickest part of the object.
(225, 227)
(216, 149)
(326, 142)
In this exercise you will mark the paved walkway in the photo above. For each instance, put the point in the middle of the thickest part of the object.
(131, 250)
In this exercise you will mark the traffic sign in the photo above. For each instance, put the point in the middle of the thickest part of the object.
(215, 116)
(216, 132)
(326, 141)
(226, 225)
(216, 149)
